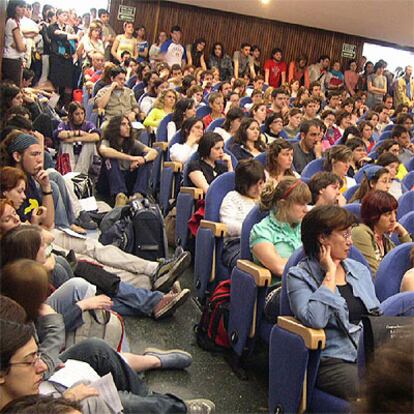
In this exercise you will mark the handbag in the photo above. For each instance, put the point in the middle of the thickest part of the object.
(63, 163)
(102, 324)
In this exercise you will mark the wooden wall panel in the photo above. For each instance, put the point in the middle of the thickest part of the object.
(233, 29)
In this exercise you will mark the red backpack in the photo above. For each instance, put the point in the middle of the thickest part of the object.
(211, 331)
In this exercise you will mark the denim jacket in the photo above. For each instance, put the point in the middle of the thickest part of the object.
(318, 307)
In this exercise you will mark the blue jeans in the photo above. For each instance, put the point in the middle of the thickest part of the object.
(134, 394)
(64, 214)
(132, 301)
(127, 182)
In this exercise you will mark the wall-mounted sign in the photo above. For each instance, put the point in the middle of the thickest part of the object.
(126, 13)
(348, 51)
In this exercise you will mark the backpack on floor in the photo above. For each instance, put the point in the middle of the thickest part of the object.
(102, 324)
(211, 331)
(150, 236)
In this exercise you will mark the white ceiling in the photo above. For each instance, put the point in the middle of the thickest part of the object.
(387, 20)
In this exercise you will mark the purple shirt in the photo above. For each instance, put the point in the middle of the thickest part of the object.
(87, 126)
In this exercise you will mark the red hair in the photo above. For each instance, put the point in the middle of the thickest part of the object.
(374, 204)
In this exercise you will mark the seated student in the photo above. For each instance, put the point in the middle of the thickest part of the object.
(23, 151)
(196, 92)
(247, 142)
(231, 124)
(375, 178)
(78, 138)
(327, 287)
(279, 158)
(29, 242)
(310, 108)
(325, 189)
(393, 147)
(212, 162)
(366, 131)
(259, 112)
(233, 101)
(127, 161)
(192, 131)
(236, 205)
(38, 404)
(332, 133)
(392, 164)
(403, 137)
(406, 120)
(116, 98)
(184, 110)
(359, 155)
(155, 87)
(383, 118)
(24, 363)
(379, 219)
(276, 237)
(342, 121)
(273, 128)
(256, 97)
(309, 147)
(216, 103)
(295, 119)
(105, 79)
(164, 105)
(337, 160)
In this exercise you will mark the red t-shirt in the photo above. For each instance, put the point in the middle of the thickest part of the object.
(275, 71)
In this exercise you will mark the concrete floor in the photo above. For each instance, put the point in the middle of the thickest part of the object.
(209, 376)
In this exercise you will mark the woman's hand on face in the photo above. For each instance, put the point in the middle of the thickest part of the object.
(96, 302)
(226, 157)
(325, 259)
(80, 392)
(400, 230)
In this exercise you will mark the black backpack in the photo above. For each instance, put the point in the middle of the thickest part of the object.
(211, 331)
(137, 229)
(150, 237)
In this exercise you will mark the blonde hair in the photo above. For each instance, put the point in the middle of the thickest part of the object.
(280, 197)
(160, 101)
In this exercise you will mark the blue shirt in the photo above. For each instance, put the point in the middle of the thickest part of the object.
(316, 306)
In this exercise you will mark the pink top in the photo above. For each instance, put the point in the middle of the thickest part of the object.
(351, 81)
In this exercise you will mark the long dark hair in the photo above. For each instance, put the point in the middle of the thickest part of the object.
(113, 135)
(73, 107)
(186, 128)
(179, 113)
(274, 149)
(11, 8)
(241, 134)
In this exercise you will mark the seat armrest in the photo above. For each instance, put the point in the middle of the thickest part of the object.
(313, 338)
(218, 229)
(196, 193)
(260, 274)
(161, 144)
(175, 166)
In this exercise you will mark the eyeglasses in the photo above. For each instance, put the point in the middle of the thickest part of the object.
(347, 234)
(36, 359)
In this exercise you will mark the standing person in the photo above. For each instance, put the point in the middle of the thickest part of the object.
(142, 44)
(108, 34)
(309, 147)
(61, 58)
(222, 61)
(275, 69)
(255, 65)
(351, 78)
(91, 42)
(172, 51)
(404, 92)
(317, 71)
(50, 19)
(155, 49)
(299, 71)
(368, 70)
(334, 79)
(125, 42)
(195, 54)
(14, 42)
(241, 61)
(376, 85)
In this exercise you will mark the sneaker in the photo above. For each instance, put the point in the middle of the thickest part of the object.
(121, 200)
(200, 406)
(171, 358)
(174, 269)
(176, 287)
(169, 303)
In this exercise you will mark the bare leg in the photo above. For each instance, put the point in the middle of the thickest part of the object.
(141, 363)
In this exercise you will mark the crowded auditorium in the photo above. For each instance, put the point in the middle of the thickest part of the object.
(216, 200)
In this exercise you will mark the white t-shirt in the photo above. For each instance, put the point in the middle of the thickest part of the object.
(11, 52)
(174, 53)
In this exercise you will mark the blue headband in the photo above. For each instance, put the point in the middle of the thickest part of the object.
(21, 143)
